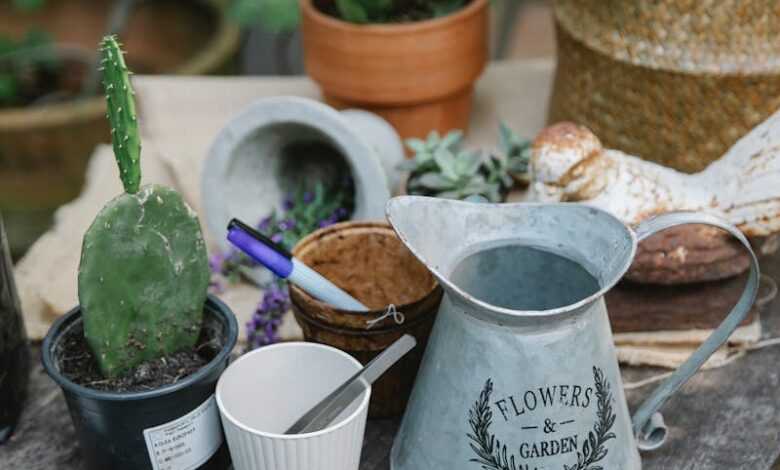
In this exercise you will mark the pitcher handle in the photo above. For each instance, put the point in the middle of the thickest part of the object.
(647, 422)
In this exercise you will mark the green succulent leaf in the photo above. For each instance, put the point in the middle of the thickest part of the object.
(408, 165)
(416, 145)
(467, 163)
(433, 139)
(452, 139)
(505, 137)
(446, 162)
(433, 181)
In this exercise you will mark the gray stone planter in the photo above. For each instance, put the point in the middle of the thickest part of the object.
(278, 143)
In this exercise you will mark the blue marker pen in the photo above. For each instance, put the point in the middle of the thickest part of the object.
(282, 263)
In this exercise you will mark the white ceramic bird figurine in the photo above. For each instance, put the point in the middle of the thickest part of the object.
(568, 163)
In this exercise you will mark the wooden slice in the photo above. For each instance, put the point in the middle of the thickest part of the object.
(688, 254)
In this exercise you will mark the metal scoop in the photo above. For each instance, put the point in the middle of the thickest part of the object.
(334, 404)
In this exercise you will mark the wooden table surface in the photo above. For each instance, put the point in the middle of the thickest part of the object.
(728, 418)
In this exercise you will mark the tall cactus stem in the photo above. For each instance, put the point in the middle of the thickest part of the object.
(121, 113)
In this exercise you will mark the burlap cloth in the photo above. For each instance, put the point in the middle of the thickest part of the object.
(181, 116)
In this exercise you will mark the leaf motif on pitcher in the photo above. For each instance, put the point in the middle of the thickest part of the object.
(493, 454)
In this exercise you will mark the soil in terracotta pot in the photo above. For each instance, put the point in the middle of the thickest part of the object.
(404, 11)
(78, 364)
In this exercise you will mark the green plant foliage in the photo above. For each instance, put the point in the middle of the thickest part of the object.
(284, 15)
(457, 176)
(20, 60)
(29, 5)
(144, 270)
(516, 148)
(424, 150)
(440, 168)
(275, 15)
(383, 11)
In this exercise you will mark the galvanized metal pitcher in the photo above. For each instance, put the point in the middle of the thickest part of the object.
(520, 372)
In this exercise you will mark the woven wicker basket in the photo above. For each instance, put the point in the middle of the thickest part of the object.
(672, 81)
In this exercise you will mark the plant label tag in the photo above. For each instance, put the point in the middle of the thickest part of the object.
(188, 442)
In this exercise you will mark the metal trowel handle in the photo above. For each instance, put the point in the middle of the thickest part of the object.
(334, 404)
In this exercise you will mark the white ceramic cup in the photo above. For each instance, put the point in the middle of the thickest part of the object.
(265, 391)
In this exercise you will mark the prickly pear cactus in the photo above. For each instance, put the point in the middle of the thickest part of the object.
(144, 269)
(121, 113)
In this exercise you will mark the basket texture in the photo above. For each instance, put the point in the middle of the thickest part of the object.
(672, 81)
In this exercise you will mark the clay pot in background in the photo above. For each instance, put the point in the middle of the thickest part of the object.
(369, 261)
(44, 149)
(419, 76)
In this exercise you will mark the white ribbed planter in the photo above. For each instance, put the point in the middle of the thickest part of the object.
(278, 143)
(267, 390)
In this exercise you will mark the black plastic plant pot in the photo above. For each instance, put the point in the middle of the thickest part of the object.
(170, 428)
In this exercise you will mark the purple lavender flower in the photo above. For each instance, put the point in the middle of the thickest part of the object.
(326, 222)
(265, 223)
(216, 262)
(262, 328)
(276, 238)
(288, 203)
(287, 224)
(308, 197)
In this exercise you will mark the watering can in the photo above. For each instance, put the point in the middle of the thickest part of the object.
(520, 372)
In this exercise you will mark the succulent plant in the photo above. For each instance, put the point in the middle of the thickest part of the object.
(440, 168)
(144, 270)
(424, 150)
(284, 15)
(516, 149)
(456, 176)
(380, 11)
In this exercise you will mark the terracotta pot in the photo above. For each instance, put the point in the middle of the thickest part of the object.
(44, 149)
(419, 76)
(369, 261)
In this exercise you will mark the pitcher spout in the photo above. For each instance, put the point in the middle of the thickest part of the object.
(564, 243)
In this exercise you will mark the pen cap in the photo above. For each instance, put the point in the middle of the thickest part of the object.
(277, 262)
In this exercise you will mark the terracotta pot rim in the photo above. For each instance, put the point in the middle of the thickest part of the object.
(342, 227)
(474, 6)
(225, 38)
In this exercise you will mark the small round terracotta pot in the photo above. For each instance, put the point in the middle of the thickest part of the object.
(419, 76)
(368, 260)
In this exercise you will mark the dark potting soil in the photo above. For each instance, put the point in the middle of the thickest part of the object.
(404, 11)
(76, 362)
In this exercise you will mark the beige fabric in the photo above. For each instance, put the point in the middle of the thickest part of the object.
(181, 116)
(670, 349)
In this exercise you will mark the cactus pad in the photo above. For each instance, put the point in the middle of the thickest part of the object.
(143, 279)
(121, 113)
